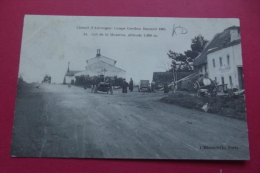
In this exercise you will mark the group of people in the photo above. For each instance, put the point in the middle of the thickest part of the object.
(95, 84)
(125, 85)
(131, 86)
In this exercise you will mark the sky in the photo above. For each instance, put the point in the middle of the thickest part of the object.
(50, 42)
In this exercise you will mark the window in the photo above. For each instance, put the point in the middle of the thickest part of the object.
(230, 81)
(220, 61)
(222, 80)
(214, 65)
(228, 61)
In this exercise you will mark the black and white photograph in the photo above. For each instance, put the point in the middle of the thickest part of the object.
(130, 88)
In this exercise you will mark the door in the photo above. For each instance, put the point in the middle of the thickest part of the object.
(222, 80)
(240, 77)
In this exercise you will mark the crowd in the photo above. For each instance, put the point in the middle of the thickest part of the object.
(109, 83)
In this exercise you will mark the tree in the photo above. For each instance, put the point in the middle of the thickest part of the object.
(191, 54)
(181, 62)
(165, 65)
(198, 43)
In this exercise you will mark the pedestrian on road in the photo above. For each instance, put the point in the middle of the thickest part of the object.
(124, 86)
(131, 85)
(109, 81)
(94, 85)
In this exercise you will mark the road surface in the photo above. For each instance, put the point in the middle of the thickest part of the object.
(58, 121)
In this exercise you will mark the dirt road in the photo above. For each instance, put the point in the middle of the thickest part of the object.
(58, 121)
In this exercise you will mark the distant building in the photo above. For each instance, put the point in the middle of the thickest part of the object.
(69, 77)
(97, 66)
(221, 59)
(101, 65)
(161, 77)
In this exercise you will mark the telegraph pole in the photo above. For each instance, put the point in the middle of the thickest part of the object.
(68, 67)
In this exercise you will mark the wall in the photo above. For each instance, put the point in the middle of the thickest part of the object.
(237, 55)
(226, 70)
(202, 70)
(97, 69)
(101, 58)
(69, 78)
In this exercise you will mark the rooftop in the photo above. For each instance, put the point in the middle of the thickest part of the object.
(219, 41)
(106, 64)
(99, 56)
(71, 73)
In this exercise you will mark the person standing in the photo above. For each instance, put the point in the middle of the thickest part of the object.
(124, 87)
(109, 81)
(94, 85)
(131, 85)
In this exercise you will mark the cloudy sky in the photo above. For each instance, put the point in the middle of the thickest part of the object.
(50, 42)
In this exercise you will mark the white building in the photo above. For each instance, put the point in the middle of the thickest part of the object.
(225, 65)
(221, 59)
(69, 77)
(101, 65)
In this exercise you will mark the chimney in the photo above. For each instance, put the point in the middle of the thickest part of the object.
(98, 53)
(234, 33)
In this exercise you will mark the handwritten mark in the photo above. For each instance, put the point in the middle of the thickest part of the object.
(179, 30)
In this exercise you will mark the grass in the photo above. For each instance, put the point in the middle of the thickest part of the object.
(233, 107)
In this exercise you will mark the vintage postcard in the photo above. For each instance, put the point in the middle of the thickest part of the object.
(130, 88)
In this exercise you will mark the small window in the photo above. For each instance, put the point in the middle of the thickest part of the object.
(220, 61)
(228, 61)
(214, 65)
(230, 81)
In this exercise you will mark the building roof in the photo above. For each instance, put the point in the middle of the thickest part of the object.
(105, 63)
(71, 73)
(219, 41)
(101, 56)
(235, 42)
(162, 77)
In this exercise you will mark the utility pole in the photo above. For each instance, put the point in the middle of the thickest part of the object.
(68, 67)
(174, 73)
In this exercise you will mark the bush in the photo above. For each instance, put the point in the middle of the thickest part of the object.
(222, 105)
